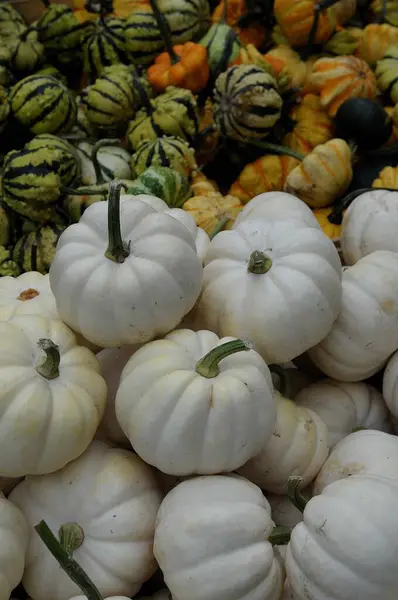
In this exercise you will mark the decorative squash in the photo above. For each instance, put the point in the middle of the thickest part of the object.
(363, 121)
(390, 387)
(387, 73)
(388, 178)
(60, 32)
(345, 41)
(142, 37)
(323, 175)
(236, 9)
(113, 162)
(375, 41)
(329, 228)
(222, 44)
(8, 267)
(69, 168)
(212, 211)
(14, 532)
(290, 71)
(166, 151)
(344, 10)
(28, 294)
(35, 251)
(337, 79)
(104, 44)
(165, 183)
(266, 174)
(188, 19)
(208, 139)
(312, 125)
(201, 185)
(296, 17)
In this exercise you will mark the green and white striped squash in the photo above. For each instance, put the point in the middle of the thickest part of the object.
(164, 152)
(35, 251)
(113, 160)
(387, 73)
(223, 46)
(188, 19)
(143, 39)
(104, 44)
(69, 169)
(60, 33)
(43, 104)
(162, 182)
(246, 103)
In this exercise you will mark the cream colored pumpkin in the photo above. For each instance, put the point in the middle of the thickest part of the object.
(14, 535)
(277, 205)
(390, 385)
(28, 294)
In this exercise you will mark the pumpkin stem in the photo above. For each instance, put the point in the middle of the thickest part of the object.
(71, 537)
(223, 18)
(94, 157)
(219, 226)
(67, 563)
(280, 535)
(117, 250)
(143, 96)
(295, 496)
(49, 366)
(81, 192)
(165, 32)
(259, 263)
(208, 365)
(284, 386)
(277, 149)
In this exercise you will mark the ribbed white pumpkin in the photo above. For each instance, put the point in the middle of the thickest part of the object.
(369, 224)
(14, 536)
(365, 333)
(277, 205)
(28, 294)
(390, 385)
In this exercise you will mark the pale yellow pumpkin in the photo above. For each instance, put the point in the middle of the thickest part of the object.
(213, 211)
(313, 125)
(375, 40)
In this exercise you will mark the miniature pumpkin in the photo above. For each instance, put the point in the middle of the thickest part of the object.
(253, 34)
(212, 211)
(345, 41)
(296, 17)
(344, 10)
(375, 40)
(329, 228)
(388, 178)
(266, 174)
(313, 126)
(323, 175)
(337, 79)
(289, 69)
(387, 73)
(201, 185)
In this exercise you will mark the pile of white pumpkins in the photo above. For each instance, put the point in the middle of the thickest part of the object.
(151, 415)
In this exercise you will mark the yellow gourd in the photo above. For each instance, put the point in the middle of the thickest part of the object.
(387, 178)
(313, 125)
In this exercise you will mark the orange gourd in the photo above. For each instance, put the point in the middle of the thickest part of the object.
(288, 67)
(296, 17)
(313, 126)
(184, 66)
(211, 210)
(344, 10)
(375, 40)
(208, 139)
(253, 34)
(387, 178)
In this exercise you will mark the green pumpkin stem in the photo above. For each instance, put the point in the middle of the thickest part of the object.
(71, 537)
(67, 563)
(165, 32)
(295, 496)
(117, 250)
(280, 535)
(94, 157)
(219, 227)
(208, 366)
(277, 149)
(259, 263)
(49, 367)
(284, 386)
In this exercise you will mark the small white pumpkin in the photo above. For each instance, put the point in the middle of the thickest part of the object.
(28, 294)
(114, 163)
(298, 446)
(370, 452)
(345, 407)
(277, 205)
(126, 279)
(52, 396)
(211, 541)
(390, 385)
(277, 283)
(110, 498)
(192, 403)
(369, 224)
(365, 333)
(347, 545)
(14, 535)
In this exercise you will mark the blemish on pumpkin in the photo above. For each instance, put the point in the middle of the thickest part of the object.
(28, 294)
(211, 403)
(388, 306)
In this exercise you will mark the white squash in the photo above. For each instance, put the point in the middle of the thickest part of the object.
(345, 407)
(132, 289)
(52, 396)
(211, 541)
(108, 598)
(28, 294)
(298, 446)
(347, 545)
(276, 283)
(14, 536)
(114, 163)
(369, 452)
(369, 224)
(390, 385)
(283, 511)
(196, 404)
(277, 205)
(365, 333)
(110, 496)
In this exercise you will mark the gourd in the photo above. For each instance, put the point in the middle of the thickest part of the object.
(221, 41)
(15, 536)
(212, 211)
(28, 294)
(289, 70)
(237, 268)
(298, 446)
(36, 250)
(387, 73)
(60, 33)
(345, 407)
(227, 387)
(142, 35)
(337, 79)
(113, 162)
(25, 53)
(375, 40)
(52, 408)
(329, 552)
(325, 218)
(312, 125)
(7, 266)
(365, 332)
(104, 44)
(119, 524)
(387, 178)
(165, 183)
(11, 21)
(188, 19)
(370, 224)
(232, 519)
(277, 205)
(250, 33)
(166, 151)
(166, 289)
(364, 122)
(69, 168)
(296, 20)
(323, 175)
(366, 452)
(390, 389)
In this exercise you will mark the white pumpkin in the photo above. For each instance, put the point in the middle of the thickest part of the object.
(283, 511)
(345, 407)
(277, 205)
(365, 333)
(211, 541)
(390, 385)
(192, 403)
(133, 288)
(14, 536)
(370, 452)
(276, 283)
(369, 224)
(114, 163)
(347, 545)
(52, 396)
(28, 294)
(113, 498)
(108, 598)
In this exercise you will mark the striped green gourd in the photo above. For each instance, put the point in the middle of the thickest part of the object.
(26, 53)
(164, 152)
(12, 23)
(113, 161)
(387, 73)
(61, 33)
(43, 104)
(143, 39)
(50, 71)
(222, 44)
(5, 225)
(188, 19)
(75, 205)
(104, 44)
(35, 251)
(4, 108)
(69, 170)
(246, 103)
(167, 184)
(8, 267)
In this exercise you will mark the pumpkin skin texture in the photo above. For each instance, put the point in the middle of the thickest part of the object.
(118, 527)
(375, 40)
(214, 424)
(345, 406)
(313, 125)
(339, 551)
(390, 384)
(14, 536)
(295, 18)
(366, 331)
(277, 205)
(229, 286)
(28, 294)
(46, 422)
(130, 302)
(369, 224)
(229, 523)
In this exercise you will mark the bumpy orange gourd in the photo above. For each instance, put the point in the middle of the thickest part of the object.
(288, 67)
(188, 68)
(266, 174)
(332, 230)
(207, 144)
(375, 40)
(337, 79)
(323, 175)
(313, 125)
(388, 178)
(344, 10)
(296, 17)
(253, 34)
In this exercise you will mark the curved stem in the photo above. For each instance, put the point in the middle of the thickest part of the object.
(284, 386)
(219, 227)
(117, 250)
(259, 263)
(81, 192)
(94, 157)
(49, 366)
(280, 535)
(277, 149)
(165, 32)
(68, 564)
(71, 537)
(295, 496)
(223, 18)
(208, 366)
